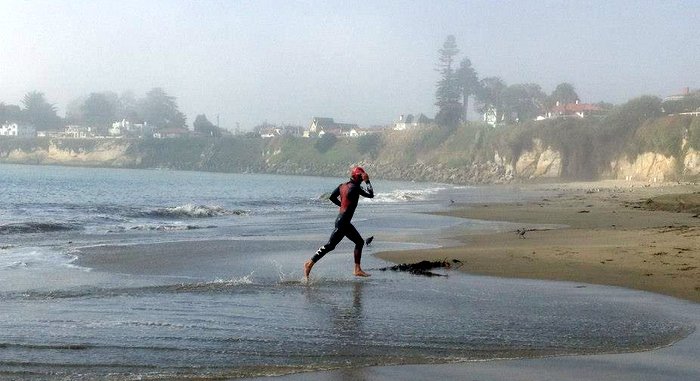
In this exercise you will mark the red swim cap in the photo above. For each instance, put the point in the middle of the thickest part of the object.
(357, 173)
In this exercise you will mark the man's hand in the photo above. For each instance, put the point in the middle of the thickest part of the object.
(365, 177)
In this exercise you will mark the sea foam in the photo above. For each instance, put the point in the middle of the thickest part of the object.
(192, 211)
(405, 195)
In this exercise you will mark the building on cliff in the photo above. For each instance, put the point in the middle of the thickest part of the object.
(78, 132)
(570, 110)
(685, 93)
(171, 133)
(407, 122)
(685, 103)
(321, 126)
(126, 127)
(18, 130)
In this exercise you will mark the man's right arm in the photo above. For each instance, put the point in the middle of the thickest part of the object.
(335, 195)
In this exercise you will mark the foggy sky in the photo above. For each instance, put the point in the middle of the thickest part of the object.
(361, 62)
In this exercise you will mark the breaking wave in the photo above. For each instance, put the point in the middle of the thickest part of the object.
(403, 195)
(399, 195)
(36, 227)
(191, 211)
(163, 228)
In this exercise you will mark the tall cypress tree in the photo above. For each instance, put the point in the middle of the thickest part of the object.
(469, 83)
(39, 112)
(448, 91)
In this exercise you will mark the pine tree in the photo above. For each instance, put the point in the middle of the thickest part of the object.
(448, 91)
(468, 82)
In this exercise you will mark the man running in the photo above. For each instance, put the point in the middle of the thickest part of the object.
(349, 194)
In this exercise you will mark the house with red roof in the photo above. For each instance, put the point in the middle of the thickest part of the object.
(570, 110)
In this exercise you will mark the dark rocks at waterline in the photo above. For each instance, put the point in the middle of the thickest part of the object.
(424, 267)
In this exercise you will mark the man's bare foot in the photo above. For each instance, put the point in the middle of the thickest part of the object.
(307, 268)
(359, 272)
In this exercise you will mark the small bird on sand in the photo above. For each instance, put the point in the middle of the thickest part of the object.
(369, 240)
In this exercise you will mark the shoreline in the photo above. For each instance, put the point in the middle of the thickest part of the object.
(607, 238)
(592, 234)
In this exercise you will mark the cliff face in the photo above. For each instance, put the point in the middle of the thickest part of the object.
(545, 162)
(649, 166)
(107, 153)
(540, 161)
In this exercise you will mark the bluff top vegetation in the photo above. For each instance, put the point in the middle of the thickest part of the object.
(587, 146)
(458, 154)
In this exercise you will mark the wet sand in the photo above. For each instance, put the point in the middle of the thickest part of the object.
(587, 232)
(599, 233)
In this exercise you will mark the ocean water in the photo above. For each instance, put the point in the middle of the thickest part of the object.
(150, 274)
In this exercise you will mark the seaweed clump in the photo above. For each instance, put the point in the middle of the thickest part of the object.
(424, 267)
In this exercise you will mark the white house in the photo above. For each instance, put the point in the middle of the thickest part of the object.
(409, 121)
(119, 128)
(355, 132)
(321, 126)
(19, 130)
(270, 132)
(171, 133)
(124, 127)
(78, 132)
(491, 116)
(570, 110)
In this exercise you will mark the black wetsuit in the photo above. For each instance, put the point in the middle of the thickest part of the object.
(349, 194)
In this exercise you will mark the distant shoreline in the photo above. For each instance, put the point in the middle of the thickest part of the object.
(610, 239)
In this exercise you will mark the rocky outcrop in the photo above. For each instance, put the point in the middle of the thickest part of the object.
(691, 163)
(107, 153)
(539, 162)
(648, 166)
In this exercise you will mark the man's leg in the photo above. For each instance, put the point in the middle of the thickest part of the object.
(333, 241)
(355, 237)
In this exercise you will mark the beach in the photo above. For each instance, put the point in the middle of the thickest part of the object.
(597, 233)
(593, 233)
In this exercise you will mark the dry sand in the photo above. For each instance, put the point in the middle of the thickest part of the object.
(609, 237)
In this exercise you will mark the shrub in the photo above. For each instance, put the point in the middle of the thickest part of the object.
(325, 143)
(662, 135)
(694, 133)
(369, 144)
